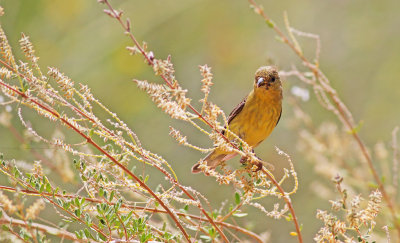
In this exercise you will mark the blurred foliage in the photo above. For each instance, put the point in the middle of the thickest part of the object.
(360, 55)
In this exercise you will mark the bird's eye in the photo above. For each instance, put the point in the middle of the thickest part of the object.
(273, 79)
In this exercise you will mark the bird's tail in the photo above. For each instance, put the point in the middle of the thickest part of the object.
(212, 160)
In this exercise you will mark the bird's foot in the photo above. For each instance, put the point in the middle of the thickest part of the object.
(260, 163)
(243, 160)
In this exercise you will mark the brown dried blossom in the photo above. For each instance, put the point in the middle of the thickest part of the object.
(7, 204)
(165, 68)
(37, 169)
(182, 140)
(5, 49)
(373, 208)
(27, 48)
(5, 73)
(334, 229)
(162, 97)
(33, 211)
(207, 79)
(65, 83)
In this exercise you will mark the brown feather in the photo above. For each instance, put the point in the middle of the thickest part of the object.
(235, 112)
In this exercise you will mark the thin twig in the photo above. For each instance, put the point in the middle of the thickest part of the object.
(7, 220)
(222, 219)
(288, 202)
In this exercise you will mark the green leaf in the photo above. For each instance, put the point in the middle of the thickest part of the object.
(289, 217)
(240, 215)
(214, 214)
(79, 234)
(102, 237)
(48, 187)
(118, 205)
(373, 185)
(241, 146)
(76, 202)
(77, 212)
(60, 202)
(66, 205)
(164, 226)
(88, 220)
(205, 237)
(91, 132)
(87, 234)
(357, 128)
(270, 23)
(237, 198)
(41, 188)
(112, 195)
(25, 85)
(278, 38)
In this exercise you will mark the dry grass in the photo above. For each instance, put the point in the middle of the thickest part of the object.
(115, 202)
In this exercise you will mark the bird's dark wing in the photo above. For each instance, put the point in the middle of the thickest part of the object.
(235, 112)
(280, 114)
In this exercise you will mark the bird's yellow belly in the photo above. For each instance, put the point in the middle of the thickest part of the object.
(255, 124)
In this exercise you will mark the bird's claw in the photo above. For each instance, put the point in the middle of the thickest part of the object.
(259, 164)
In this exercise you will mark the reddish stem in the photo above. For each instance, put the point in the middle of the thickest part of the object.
(288, 203)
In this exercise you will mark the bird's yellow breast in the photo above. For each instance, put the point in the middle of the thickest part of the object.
(258, 118)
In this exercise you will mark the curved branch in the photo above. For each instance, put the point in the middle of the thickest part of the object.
(7, 220)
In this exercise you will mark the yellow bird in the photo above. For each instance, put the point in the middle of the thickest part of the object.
(254, 118)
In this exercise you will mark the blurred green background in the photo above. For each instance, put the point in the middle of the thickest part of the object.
(360, 54)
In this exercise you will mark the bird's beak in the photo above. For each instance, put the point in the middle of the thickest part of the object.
(260, 81)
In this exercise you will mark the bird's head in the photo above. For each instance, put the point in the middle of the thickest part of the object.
(267, 78)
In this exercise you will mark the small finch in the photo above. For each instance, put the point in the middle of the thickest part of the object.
(254, 118)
